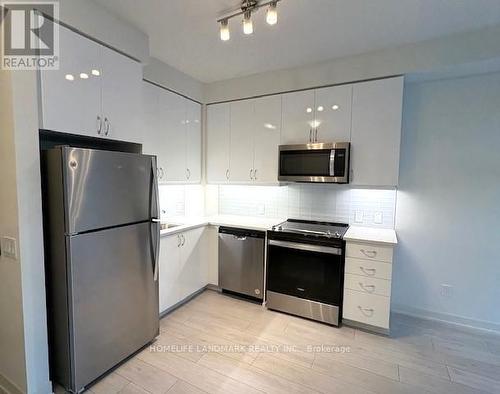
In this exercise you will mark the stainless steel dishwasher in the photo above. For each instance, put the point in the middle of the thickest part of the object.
(241, 261)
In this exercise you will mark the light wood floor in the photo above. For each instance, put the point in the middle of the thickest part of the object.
(219, 344)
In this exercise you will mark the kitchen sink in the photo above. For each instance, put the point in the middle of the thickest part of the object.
(166, 226)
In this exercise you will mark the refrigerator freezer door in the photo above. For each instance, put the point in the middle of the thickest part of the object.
(114, 299)
(105, 189)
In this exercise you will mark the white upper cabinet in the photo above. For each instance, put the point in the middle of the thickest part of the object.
(267, 132)
(173, 123)
(333, 114)
(121, 94)
(242, 141)
(218, 142)
(298, 117)
(96, 92)
(154, 139)
(71, 104)
(376, 132)
(173, 133)
(193, 138)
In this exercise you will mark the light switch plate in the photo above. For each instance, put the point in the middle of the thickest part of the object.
(8, 247)
(378, 217)
(358, 217)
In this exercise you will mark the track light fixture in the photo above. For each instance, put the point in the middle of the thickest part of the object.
(248, 7)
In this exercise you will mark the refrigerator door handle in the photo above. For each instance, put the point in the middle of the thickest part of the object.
(155, 220)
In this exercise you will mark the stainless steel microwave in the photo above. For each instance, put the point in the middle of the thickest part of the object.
(322, 163)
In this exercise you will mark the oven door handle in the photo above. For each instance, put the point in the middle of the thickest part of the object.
(306, 247)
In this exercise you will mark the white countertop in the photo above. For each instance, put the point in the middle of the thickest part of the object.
(354, 233)
(247, 222)
(371, 234)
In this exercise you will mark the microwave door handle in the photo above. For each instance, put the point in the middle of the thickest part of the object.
(332, 162)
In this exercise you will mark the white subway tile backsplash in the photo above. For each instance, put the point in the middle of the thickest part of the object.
(338, 203)
(181, 200)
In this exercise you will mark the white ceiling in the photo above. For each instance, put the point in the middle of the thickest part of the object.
(185, 35)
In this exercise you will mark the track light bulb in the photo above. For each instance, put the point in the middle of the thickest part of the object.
(272, 14)
(247, 23)
(224, 30)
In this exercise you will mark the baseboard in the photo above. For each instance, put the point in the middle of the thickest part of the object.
(6, 386)
(447, 319)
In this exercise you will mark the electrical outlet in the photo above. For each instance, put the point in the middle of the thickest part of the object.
(378, 217)
(8, 247)
(446, 290)
(358, 217)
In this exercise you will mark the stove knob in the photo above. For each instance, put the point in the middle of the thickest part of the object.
(337, 234)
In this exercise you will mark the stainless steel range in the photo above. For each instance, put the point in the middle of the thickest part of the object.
(305, 269)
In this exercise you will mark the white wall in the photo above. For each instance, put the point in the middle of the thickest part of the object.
(428, 56)
(448, 210)
(12, 360)
(95, 21)
(164, 75)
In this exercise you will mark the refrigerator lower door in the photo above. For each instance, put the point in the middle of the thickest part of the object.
(107, 189)
(114, 298)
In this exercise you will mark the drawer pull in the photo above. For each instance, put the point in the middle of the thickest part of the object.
(367, 288)
(369, 253)
(368, 271)
(368, 312)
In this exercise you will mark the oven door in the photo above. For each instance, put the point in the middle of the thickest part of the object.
(327, 163)
(307, 271)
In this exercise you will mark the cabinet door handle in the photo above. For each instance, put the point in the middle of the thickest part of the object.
(369, 253)
(178, 240)
(367, 288)
(99, 125)
(368, 312)
(255, 174)
(316, 135)
(368, 271)
(188, 173)
(251, 170)
(183, 240)
(158, 173)
(106, 124)
(227, 174)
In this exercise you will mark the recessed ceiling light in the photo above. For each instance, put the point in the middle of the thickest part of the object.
(69, 77)
(84, 75)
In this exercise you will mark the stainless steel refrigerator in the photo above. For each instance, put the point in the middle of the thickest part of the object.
(102, 229)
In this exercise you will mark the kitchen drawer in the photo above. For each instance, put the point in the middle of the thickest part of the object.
(367, 308)
(368, 285)
(370, 269)
(369, 252)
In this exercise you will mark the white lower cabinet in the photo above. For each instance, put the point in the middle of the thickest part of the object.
(183, 266)
(367, 285)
